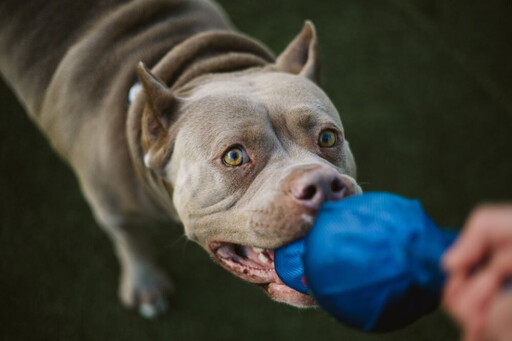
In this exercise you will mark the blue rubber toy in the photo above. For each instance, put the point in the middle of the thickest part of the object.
(371, 260)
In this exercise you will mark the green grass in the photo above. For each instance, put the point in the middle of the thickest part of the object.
(423, 89)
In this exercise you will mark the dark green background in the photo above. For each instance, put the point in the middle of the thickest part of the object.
(423, 89)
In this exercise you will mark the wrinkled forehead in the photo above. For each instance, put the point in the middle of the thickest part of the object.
(256, 100)
(218, 120)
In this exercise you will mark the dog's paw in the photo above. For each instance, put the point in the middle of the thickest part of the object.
(146, 289)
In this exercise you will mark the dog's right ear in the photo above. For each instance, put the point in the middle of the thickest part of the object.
(157, 117)
(301, 57)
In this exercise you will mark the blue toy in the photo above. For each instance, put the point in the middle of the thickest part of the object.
(371, 260)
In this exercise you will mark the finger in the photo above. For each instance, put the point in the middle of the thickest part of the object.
(499, 326)
(473, 306)
(470, 335)
(487, 227)
(468, 298)
(470, 303)
(453, 288)
(500, 265)
(456, 295)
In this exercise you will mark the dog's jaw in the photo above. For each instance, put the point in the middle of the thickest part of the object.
(256, 265)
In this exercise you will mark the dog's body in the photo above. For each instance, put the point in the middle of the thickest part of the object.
(234, 145)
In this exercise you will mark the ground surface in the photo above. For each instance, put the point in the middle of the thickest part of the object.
(423, 88)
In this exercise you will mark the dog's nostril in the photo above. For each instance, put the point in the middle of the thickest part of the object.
(337, 185)
(309, 192)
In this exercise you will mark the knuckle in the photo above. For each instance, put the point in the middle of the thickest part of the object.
(502, 263)
(479, 218)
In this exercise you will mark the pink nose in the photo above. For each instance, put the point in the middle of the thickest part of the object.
(317, 186)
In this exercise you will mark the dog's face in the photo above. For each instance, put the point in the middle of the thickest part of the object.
(251, 159)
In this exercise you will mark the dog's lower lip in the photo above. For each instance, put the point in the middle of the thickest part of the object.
(248, 264)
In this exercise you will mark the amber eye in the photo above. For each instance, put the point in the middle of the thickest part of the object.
(235, 157)
(327, 139)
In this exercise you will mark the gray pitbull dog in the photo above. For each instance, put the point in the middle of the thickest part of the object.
(239, 146)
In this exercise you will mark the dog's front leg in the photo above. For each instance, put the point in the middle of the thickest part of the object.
(143, 285)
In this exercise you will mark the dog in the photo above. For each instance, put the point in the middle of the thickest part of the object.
(239, 146)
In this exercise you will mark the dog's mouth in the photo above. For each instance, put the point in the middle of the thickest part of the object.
(256, 265)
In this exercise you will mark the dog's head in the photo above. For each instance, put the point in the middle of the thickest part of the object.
(251, 157)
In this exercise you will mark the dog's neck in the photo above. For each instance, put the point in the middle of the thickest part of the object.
(202, 54)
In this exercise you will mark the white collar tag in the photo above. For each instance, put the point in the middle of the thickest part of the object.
(134, 90)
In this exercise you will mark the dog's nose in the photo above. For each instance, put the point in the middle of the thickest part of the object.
(319, 185)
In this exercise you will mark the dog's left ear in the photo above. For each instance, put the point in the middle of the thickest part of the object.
(158, 116)
(301, 57)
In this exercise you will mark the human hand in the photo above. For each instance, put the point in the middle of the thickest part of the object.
(478, 265)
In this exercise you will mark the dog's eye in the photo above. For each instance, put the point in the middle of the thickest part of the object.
(327, 138)
(235, 157)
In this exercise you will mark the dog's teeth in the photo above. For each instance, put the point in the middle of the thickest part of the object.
(263, 258)
(257, 249)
